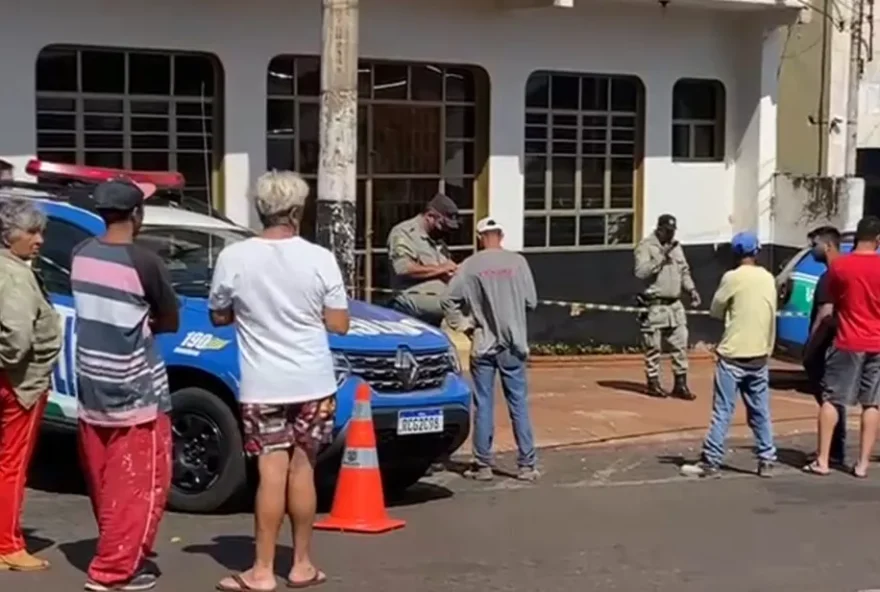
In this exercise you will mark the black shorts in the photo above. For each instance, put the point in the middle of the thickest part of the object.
(814, 367)
(852, 377)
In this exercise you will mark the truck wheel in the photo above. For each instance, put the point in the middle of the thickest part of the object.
(208, 460)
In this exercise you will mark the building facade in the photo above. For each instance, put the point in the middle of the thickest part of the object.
(813, 98)
(575, 124)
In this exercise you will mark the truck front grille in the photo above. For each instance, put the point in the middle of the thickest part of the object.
(379, 371)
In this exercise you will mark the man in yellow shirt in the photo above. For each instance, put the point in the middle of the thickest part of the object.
(746, 301)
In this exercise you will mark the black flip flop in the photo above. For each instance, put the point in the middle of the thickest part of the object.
(319, 578)
(853, 472)
(813, 469)
(241, 586)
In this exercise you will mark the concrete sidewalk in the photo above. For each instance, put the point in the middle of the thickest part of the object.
(606, 403)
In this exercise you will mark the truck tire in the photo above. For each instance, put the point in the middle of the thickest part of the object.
(208, 460)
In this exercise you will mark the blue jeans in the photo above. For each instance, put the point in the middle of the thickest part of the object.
(754, 385)
(514, 384)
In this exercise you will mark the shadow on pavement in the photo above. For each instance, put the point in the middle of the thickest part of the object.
(627, 386)
(55, 467)
(789, 380)
(236, 553)
(674, 459)
(79, 553)
(793, 458)
(35, 543)
(420, 493)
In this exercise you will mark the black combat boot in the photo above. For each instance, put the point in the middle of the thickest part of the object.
(680, 390)
(655, 389)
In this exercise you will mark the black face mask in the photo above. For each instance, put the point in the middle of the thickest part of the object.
(665, 235)
(438, 230)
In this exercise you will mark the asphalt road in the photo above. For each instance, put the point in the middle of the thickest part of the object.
(605, 519)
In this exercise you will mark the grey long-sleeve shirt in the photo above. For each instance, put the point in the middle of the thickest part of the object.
(495, 288)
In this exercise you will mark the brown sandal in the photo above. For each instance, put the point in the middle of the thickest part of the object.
(22, 561)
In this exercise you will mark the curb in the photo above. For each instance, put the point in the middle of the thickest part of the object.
(783, 429)
(605, 360)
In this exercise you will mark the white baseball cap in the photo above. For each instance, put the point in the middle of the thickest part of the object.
(488, 224)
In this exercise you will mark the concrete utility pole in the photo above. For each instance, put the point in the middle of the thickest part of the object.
(855, 77)
(337, 168)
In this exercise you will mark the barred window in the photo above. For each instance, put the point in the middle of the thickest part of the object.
(583, 139)
(131, 109)
(418, 133)
(698, 120)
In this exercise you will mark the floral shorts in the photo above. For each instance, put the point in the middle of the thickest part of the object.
(268, 428)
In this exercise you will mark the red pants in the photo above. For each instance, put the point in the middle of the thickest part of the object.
(18, 435)
(128, 471)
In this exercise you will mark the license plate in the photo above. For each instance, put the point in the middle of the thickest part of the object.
(422, 421)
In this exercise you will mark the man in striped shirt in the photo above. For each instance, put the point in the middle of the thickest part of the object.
(123, 297)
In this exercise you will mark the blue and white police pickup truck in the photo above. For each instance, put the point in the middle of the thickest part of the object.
(797, 284)
(421, 403)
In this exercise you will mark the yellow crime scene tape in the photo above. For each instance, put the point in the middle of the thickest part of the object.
(578, 308)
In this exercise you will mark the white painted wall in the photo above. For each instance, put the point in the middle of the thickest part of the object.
(869, 93)
(791, 222)
(658, 46)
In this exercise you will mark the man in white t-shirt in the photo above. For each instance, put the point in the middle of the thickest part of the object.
(283, 293)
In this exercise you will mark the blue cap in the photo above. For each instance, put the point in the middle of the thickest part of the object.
(745, 243)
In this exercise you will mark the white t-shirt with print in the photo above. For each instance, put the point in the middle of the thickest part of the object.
(278, 290)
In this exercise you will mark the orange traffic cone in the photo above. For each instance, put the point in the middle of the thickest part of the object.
(359, 503)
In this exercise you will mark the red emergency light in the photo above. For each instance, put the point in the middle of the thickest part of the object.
(90, 174)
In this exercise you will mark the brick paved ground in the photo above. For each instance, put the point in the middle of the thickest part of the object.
(605, 401)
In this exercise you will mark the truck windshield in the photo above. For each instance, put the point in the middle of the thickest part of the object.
(189, 253)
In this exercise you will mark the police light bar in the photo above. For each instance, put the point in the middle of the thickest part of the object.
(91, 174)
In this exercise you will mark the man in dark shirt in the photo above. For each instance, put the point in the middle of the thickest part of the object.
(823, 324)
(852, 366)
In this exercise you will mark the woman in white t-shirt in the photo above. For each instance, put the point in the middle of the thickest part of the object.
(283, 294)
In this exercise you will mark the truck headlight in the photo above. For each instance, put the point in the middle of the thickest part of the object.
(454, 361)
(341, 368)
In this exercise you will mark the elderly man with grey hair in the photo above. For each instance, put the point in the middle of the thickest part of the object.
(30, 339)
(283, 294)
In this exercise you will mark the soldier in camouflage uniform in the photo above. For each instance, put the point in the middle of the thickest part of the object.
(421, 264)
(661, 265)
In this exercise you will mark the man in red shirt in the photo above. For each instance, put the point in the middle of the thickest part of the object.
(852, 372)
